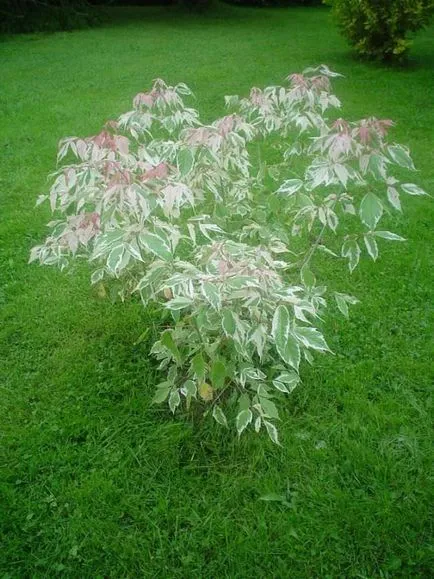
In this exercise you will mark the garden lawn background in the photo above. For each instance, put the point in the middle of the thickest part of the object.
(97, 482)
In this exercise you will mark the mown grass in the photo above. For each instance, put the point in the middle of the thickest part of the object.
(95, 481)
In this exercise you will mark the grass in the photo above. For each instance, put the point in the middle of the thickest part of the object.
(95, 481)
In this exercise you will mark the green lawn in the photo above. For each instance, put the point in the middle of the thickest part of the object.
(96, 482)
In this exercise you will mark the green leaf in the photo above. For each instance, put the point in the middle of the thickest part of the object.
(185, 161)
(218, 374)
(371, 210)
(198, 367)
(174, 400)
(219, 416)
(212, 294)
(307, 277)
(168, 341)
(156, 245)
(189, 388)
(243, 419)
(269, 408)
(229, 323)
(342, 305)
(311, 338)
(162, 392)
(142, 336)
(264, 391)
(244, 401)
(172, 374)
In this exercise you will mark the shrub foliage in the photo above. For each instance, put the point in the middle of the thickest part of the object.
(192, 217)
(379, 28)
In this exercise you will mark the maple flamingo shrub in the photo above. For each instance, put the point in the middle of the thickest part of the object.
(192, 217)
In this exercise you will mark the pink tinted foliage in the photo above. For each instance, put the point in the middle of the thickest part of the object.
(372, 127)
(198, 136)
(298, 80)
(81, 229)
(320, 83)
(317, 83)
(145, 99)
(161, 171)
(341, 125)
(106, 140)
(226, 125)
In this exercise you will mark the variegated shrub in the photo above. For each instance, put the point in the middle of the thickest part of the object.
(192, 217)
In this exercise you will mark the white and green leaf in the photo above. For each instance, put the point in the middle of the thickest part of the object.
(371, 245)
(185, 161)
(229, 323)
(311, 338)
(290, 187)
(272, 432)
(393, 197)
(371, 210)
(412, 189)
(212, 294)
(155, 244)
(174, 400)
(351, 250)
(179, 303)
(244, 418)
(219, 416)
(401, 156)
(389, 236)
